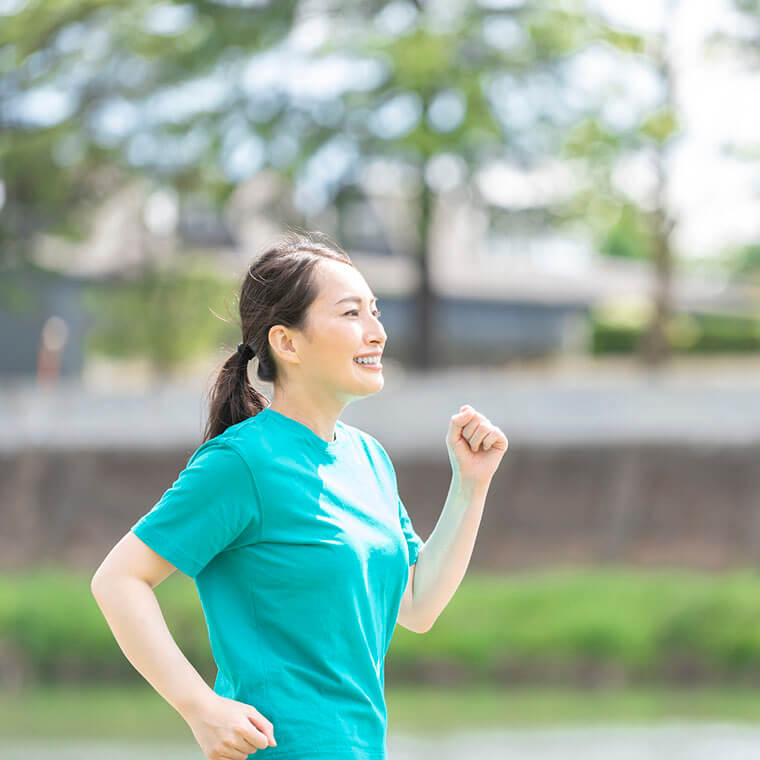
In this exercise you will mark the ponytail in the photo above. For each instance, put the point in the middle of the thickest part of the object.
(233, 398)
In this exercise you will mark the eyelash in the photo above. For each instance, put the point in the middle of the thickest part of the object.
(377, 312)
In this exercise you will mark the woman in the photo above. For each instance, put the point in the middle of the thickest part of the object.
(290, 523)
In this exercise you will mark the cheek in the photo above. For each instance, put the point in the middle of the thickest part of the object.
(339, 345)
(345, 338)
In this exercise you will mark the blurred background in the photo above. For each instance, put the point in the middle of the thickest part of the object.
(556, 204)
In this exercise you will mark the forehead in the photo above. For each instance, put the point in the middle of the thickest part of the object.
(337, 280)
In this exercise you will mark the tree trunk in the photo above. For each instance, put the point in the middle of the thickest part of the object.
(423, 355)
(654, 347)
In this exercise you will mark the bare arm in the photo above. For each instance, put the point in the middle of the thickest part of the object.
(443, 559)
(123, 588)
(476, 448)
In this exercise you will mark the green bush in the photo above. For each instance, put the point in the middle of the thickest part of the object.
(646, 624)
(688, 333)
(50, 622)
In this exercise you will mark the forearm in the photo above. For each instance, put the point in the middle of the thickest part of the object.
(443, 560)
(132, 611)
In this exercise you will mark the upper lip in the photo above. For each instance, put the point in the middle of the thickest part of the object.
(374, 353)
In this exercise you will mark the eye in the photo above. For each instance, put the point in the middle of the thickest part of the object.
(377, 312)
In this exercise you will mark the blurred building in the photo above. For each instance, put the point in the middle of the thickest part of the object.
(501, 294)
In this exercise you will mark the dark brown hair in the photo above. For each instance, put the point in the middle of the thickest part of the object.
(277, 289)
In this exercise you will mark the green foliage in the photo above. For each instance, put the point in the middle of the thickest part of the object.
(631, 235)
(558, 32)
(559, 616)
(52, 622)
(614, 339)
(728, 333)
(99, 53)
(624, 41)
(746, 261)
(166, 316)
(687, 333)
(50, 172)
(589, 139)
(642, 622)
(661, 125)
(600, 145)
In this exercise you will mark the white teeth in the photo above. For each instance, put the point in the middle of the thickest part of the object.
(368, 360)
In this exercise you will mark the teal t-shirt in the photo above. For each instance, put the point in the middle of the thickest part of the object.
(300, 550)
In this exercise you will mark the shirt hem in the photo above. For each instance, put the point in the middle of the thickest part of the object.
(339, 752)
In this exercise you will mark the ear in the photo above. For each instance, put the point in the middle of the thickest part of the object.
(282, 343)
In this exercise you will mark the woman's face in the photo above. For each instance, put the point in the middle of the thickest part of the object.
(339, 329)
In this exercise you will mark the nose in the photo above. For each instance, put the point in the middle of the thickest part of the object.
(378, 335)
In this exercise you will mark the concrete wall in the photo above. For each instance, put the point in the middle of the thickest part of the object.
(695, 505)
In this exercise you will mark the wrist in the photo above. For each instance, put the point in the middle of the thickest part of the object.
(196, 704)
(468, 486)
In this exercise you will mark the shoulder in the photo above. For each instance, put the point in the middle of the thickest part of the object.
(237, 451)
(221, 458)
(248, 438)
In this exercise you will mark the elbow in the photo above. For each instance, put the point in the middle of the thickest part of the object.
(424, 625)
(99, 584)
(95, 585)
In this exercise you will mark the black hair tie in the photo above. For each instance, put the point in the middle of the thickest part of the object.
(245, 350)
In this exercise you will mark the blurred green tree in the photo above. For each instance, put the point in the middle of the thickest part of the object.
(440, 108)
(81, 82)
(95, 93)
(743, 40)
(622, 147)
(193, 95)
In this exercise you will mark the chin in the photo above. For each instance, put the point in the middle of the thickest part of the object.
(370, 387)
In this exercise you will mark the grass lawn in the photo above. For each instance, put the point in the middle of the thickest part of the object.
(138, 713)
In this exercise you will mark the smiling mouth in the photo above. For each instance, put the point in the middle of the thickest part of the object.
(374, 364)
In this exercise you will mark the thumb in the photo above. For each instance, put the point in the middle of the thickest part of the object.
(263, 725)
(461, 418)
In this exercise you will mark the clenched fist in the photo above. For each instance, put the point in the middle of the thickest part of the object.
(475, 446)
(227, 729)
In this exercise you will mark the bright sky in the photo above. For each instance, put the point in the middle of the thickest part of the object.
(718, 196)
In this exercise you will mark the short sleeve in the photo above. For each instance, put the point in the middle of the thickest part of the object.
(413, 541)
(212, 504)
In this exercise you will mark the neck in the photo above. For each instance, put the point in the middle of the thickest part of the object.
(319, 417)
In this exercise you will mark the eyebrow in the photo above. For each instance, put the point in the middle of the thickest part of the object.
(353, 298)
